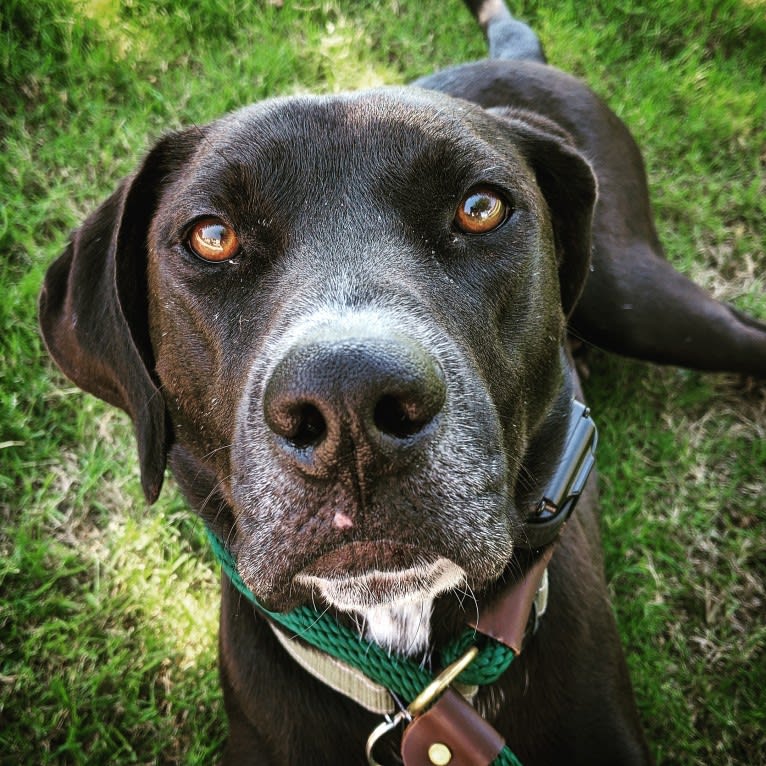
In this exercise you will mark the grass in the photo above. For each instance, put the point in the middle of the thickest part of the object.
(108, 609)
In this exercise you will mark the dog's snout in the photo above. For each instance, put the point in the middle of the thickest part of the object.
(328, 400)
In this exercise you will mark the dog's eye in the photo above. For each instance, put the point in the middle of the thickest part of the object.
(480, 211)
(213, 240)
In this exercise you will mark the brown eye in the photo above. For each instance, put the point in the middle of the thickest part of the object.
(213, 240)
(480, 211)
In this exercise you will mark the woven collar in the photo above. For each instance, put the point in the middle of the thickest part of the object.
(354, 684)
(402, 676)
(338, 675)
(406, 682)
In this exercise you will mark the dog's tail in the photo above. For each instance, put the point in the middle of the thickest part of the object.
(508, 38)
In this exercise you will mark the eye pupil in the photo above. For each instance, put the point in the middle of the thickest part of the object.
(213, 236)
(213, 240)
(480, 211)
(480, 206)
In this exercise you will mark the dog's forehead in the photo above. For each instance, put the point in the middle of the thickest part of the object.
(367, 114)
(379, 128)
(304, 151)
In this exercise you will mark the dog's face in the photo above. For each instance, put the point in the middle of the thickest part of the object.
(354, 324)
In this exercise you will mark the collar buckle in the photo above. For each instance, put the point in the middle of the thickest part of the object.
(421, 703)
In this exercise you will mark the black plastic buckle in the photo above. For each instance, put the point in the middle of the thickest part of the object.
(568, 481)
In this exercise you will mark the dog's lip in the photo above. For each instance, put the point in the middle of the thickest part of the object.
(359, 576)
(364, 557)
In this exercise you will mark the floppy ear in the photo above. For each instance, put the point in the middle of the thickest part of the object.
(569, 187)
(93, 305)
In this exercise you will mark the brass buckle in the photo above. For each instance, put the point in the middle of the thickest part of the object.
(421, 703)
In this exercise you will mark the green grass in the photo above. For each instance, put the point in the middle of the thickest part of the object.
(108, 609)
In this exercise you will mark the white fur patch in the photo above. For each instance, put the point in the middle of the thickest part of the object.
(394, 607)
(403, 628)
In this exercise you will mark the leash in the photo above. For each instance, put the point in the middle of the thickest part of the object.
(439, 719)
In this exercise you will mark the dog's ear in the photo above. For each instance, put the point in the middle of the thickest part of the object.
(93, 305)
(569, 186)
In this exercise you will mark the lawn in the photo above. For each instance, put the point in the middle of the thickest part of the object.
(108, 608)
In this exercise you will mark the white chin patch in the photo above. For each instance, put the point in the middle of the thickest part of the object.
(403, 628)
(394, 607)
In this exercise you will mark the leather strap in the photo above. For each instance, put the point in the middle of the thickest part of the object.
(506, 619)
(450, 732)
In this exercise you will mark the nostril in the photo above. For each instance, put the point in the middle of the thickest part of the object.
(331, 399)
(309, 427)
(394, 418)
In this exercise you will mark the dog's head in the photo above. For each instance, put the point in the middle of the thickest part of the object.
(343, 318)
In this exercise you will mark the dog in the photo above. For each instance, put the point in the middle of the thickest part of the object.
(342, 321)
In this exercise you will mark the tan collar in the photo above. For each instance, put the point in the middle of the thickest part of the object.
(338, 675)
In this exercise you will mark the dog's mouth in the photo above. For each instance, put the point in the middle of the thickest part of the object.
(364, 575)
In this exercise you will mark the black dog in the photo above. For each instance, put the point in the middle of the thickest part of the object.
(343, 321)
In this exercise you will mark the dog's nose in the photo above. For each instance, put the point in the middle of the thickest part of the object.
(373, 401)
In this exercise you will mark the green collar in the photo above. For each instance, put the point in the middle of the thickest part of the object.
(400, 675)
(404, 679)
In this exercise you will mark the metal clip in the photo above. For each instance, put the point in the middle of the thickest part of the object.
(421, 703)
(540, 604)
(441, 682)
(389, 724)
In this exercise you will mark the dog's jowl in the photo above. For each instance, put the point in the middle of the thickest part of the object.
(342, 321)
